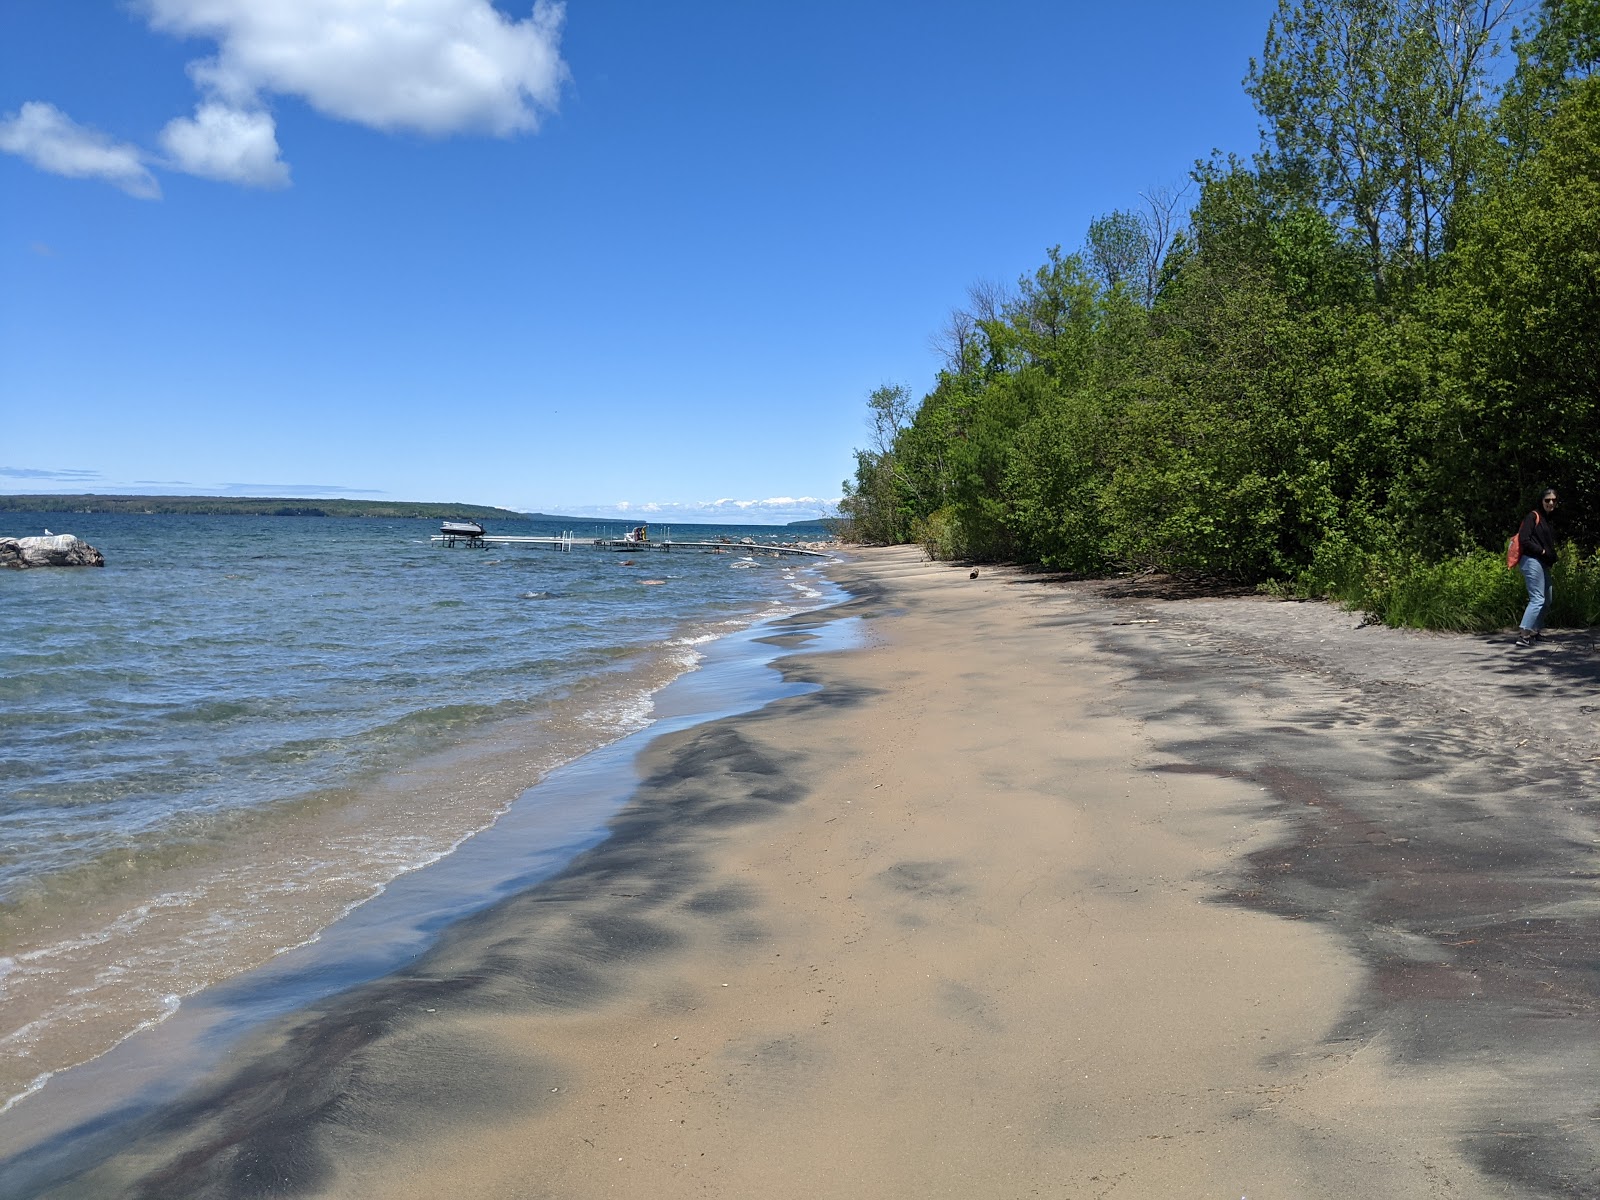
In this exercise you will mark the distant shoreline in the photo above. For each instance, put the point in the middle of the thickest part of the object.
(303, 506)
(253, 506)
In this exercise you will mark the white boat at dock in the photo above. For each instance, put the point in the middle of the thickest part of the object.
(450, 532)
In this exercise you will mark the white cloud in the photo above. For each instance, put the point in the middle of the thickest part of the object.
(54, 142)
(773, 504)
(68, 474)
(230, 144)
(435, 66)
(294, 490)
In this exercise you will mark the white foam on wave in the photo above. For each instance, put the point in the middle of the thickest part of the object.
(699, 640)
(627, 716)
(205, 948)
(400, 857)
(169, 1004)
(119, 926)
(34, 1085)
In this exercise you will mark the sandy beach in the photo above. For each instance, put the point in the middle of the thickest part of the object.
(1050, 889)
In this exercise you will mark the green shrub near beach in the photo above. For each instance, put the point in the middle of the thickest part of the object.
(1473, 592)
(939, 533)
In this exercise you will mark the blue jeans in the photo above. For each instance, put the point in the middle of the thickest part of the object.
(1537, 578)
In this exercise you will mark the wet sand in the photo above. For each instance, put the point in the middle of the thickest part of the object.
(1059, 890)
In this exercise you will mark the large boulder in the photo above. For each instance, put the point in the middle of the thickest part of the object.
(57, 550)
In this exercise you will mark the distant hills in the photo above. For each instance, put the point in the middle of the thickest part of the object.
(253, 506)
(293, 506)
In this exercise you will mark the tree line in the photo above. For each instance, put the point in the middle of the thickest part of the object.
(1337, 366)
(252, 506)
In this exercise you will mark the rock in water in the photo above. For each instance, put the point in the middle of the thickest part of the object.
(58, 550)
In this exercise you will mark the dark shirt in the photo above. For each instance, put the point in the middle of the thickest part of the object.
(1538, 538)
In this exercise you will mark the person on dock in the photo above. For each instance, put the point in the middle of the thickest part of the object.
(1536, 540)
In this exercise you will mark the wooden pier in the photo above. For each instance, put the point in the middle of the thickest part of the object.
(567, 542)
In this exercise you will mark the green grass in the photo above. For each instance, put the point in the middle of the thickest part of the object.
(1473, 592)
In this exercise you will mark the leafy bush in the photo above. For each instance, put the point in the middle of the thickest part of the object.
(1576, 583)
(941, 535)
(1050, 488)
(1339, 570)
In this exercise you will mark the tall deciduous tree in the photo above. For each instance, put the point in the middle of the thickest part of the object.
(874, 502)
(1382, 106)
(1117, 250)
(1126, 249)
(1522, 309)
(890, 410)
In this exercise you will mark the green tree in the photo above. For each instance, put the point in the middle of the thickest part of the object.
(1049, 322)
(1520, 315)
(1117, 249)
(876, 502)
(1562, 49)
(1380, 106)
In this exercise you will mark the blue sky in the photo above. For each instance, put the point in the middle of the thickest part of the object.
(589, 259)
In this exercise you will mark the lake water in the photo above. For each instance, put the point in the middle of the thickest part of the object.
(243, 727)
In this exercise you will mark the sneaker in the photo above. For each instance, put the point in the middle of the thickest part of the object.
(1524, 641)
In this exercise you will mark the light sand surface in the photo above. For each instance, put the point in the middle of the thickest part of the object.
(1023, 900)
(980, 957)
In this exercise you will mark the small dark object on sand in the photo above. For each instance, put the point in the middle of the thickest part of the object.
(974, 574)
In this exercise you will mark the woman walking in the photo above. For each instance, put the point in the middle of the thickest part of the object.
(1537, 539)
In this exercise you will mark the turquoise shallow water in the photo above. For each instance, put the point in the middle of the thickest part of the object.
(90, 1113)
(241, 726)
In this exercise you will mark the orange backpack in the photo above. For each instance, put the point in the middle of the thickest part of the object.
(1514, 546)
